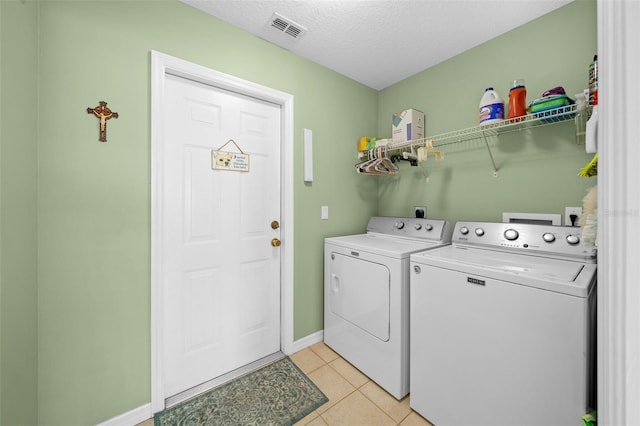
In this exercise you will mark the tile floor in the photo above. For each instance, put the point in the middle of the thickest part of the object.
(354, 400)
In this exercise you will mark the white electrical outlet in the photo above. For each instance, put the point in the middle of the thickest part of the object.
(568, 211)
(420, 211)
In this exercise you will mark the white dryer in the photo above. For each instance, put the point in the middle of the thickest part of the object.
(503, 327)
(366, 295)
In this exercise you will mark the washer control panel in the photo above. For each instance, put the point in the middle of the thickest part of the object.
(411, 227)
(559, 240)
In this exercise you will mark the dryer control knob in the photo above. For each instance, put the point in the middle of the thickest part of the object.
(399, 225)
(479, 232)
(573, 239)
(548, 237)
(511, 234)
(428, 227)
(417, 226)
(464, 230)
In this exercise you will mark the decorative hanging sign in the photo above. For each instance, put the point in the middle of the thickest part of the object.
(103, 113)
(224, 160)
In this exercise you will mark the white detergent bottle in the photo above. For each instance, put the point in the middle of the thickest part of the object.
(491, 107)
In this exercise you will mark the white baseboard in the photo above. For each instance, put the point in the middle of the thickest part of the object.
(130, 418)
(305, 342)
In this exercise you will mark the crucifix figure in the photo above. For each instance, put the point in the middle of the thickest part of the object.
(104, 114)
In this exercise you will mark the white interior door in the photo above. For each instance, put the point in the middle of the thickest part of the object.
(221, 275)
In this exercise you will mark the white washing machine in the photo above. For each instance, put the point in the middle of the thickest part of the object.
(503, 327)
(366, 295)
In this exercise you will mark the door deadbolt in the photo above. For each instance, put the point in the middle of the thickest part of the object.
(275, 224)
(276, 242)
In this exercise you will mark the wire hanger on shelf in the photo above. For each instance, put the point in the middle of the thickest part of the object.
(377, 164)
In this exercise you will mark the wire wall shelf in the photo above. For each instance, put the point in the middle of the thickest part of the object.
(487, 131)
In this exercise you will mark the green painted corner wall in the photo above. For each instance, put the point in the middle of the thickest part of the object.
(538, 168)
(18, 207)
(94, 198)
(84, 338)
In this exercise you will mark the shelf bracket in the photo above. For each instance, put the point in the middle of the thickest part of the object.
(493, 161)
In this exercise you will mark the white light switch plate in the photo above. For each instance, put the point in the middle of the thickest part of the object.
(324, 212)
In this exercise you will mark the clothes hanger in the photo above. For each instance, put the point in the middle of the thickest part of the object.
(383, 165)
(374, 165)
(361, 167)
(378, 163)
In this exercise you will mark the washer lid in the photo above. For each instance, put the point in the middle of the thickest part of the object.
(395, 247)
(564, 276)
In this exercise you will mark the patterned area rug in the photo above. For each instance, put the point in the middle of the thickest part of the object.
(276, 394)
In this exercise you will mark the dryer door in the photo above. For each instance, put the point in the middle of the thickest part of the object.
(359, 293)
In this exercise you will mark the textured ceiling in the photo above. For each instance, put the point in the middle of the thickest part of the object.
(379, 42)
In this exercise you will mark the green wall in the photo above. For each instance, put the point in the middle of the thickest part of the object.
(538, 168)
(74, 339)
(18, 256)
(93, 301)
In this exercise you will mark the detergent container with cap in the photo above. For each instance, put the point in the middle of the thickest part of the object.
(491, 107)
(593, 81)
(517, 100)
(591, 131)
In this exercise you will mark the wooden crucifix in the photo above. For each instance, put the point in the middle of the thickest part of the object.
(103, 113)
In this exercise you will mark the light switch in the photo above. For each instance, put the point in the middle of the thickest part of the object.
(324, 212)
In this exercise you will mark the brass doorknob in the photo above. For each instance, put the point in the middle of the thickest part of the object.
(275, 224)
(276, 242)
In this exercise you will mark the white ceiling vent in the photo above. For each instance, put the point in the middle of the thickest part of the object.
(286, 26)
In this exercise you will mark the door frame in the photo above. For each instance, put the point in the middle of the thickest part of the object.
(618, 214)
(161, 65)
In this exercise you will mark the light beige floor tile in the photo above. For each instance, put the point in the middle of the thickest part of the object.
(306, 420)
(332, 384)
(318, 421)
(148, 422)
(324, 352)
(349, 372)
(414, 419)
(356, 409)
(397, 410)
(307, 360)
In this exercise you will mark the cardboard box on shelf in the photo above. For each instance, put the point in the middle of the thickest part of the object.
(407, 125)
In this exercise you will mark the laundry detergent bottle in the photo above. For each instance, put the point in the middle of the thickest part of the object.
(517, 100)
(491, 107)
